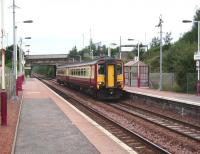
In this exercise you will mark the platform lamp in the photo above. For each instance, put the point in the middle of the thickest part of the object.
(138, 60)
(21, 54)
(28, 51)
(21, 75)
(197, 55)
(15, 83)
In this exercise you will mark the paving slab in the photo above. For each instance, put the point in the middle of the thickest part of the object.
(57, 134)
(44, 128)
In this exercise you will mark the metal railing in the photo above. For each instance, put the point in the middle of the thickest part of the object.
(9, 79)
(170, 82)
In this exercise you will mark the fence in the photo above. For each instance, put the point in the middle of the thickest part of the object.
(191, 82)
(9, 79)
(170, 84)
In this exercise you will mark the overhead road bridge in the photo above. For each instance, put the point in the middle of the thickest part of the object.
(46, 60)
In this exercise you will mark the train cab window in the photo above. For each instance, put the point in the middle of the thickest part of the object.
(119, 69)
(101, 68)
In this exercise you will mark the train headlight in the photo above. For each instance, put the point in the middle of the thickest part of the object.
(101, 83)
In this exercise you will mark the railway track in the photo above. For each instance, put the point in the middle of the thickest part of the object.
(177, 126)
(132, 139)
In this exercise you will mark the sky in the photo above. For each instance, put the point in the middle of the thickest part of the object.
(59, 25)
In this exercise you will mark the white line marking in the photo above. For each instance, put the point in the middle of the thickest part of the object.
(33, 92)
(17, 125)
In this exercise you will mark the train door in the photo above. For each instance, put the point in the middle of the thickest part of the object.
(111, 75)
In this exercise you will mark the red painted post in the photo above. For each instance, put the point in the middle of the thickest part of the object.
(20, 82)
(3, 108)
(17, 87)
(23, 78)
(198, 88)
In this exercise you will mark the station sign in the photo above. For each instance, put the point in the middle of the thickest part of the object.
(197, 56)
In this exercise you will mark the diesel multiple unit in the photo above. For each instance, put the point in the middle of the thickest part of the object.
(102, 78)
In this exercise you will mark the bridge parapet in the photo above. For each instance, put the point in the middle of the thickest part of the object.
(49, 59)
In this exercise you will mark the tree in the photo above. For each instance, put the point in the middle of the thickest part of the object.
(167, 39)
(73, 52)
(9, 55)
(155, 42)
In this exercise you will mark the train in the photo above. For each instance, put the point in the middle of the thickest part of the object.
(102, 78)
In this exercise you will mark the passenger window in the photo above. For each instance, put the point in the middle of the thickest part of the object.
(84, 72)
(87, 72)
(101, 69)
(81, 72)
(119, 69)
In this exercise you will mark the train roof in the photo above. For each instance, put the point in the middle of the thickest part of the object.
(88, 63)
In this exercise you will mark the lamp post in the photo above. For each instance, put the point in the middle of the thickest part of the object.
(17, 79)
(20, 54)
(15, 52)
(197, 55)
(2, 45)
(3, 88)
(138, 64)
(21, 63)
(161, 76)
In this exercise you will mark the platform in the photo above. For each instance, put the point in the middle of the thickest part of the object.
(48, 124)
(166, 95)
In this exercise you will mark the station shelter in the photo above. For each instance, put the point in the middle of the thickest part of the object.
(132, 78)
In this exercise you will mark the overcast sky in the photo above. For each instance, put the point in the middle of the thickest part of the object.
(61, 24)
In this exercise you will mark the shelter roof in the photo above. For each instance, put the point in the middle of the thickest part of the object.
(135, 63)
